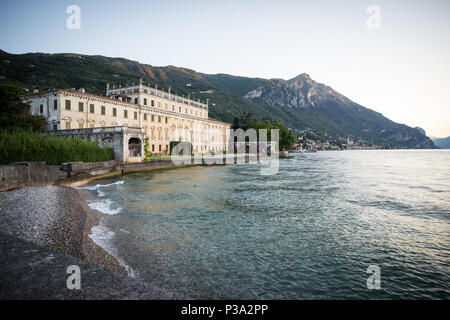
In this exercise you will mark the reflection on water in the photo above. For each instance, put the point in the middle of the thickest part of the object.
(310, 231)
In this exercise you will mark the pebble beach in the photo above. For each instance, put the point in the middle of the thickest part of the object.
(55, 217)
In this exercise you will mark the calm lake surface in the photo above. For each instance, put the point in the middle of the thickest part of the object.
(308, 232)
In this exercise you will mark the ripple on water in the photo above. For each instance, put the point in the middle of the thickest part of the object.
(309, 232)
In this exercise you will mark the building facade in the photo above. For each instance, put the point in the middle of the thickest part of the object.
(162, 117)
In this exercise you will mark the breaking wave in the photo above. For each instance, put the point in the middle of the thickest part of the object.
(99, 186)
(105, 206)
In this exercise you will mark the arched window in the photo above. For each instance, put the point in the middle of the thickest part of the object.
(134, 147)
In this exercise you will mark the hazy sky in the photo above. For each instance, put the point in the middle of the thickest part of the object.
(401, 70)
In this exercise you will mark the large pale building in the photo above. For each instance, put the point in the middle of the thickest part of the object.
(159, 115)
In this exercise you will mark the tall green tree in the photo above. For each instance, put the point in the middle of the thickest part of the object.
(14, 114)
(286, 136)
(248, 120)
(236, 123)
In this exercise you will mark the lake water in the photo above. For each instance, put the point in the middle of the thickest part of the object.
(308, 232)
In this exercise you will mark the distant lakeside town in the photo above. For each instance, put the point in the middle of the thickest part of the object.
(313, 145)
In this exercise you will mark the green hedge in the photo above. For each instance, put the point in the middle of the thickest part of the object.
(17, 146)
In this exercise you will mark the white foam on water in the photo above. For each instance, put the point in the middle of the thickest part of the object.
(99, 186)
(102, 237)
(105, 206)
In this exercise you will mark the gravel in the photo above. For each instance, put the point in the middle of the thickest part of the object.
(45, 229)
(29, 271)
(56, 218)
(29, 213)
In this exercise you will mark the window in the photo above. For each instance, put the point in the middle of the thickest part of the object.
(103, 110)
(166, 120)
(135, 100)
(68, 105)
(91, 108)
(55, 127)
(67, 124)
(145, 117)
(179, 109)
(125, 113)
(153, 103)
(145, 102)
(41, 108)
(153, 147)
(55, 104)
(80, 125)
(153, 118)
(80, 106)
(135, 115)
(114, 112)
(185, 110)
(173, 108)
(159, 147)
(159, 118)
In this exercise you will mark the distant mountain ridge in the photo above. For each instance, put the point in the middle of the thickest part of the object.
(301, 103)
(334, 113)
(443, 143)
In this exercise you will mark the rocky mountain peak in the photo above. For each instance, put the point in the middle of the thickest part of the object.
(298, 92)
(301, 77)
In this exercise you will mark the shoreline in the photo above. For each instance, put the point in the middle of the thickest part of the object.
(81, 182)
(33, 174)
(91, 251)
(58, 218)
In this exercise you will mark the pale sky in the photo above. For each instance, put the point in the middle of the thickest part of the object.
(401, 70)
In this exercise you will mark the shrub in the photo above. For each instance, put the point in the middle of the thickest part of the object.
(22, 145)
(147, 152)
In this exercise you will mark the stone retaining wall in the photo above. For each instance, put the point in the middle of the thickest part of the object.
(28, 174)
(32, 174)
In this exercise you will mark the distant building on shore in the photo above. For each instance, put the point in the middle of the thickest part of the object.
(159, 115)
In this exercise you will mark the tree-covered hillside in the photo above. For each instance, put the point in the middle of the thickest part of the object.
(50, 71)
(305, 106)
